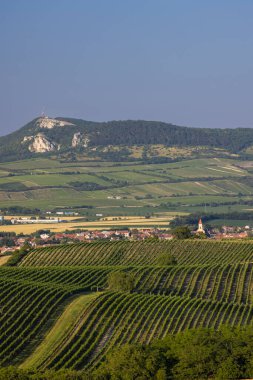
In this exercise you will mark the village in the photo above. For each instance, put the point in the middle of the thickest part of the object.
(10, 242)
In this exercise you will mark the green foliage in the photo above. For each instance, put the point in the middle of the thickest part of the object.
(206, 353)
(120, 281)
(7, 241)
(194, 354)
(114, 133)
(126, 253)
(200, 236)
(210, 286)
(167, 259)
(86, 186)
(20, 210)
(13, 373)
(182, 232)
(12, 186)
(18, 255)
(134, 362)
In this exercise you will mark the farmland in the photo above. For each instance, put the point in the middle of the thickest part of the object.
(128, 188)
(58, 312)
(110, 222)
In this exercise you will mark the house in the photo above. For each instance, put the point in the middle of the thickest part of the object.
(235, 235)
(44, 236)
(165, 236)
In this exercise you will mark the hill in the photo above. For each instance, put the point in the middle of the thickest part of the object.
(58, 312)
(125, 169)
(60, 135)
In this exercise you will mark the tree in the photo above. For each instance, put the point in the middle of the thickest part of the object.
(120, 281)
(18, 255)
(134, 362)
(229, 369)
(25, 248)
(167, 259)
(193, 354)
(12, 373)
(200, 235)
(182, 232)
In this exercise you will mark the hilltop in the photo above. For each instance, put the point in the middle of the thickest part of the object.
(45, 135)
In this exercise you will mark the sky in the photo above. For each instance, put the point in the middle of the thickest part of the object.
(186, 62)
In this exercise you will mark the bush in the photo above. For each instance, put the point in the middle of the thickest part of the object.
(17, 256)
(182, 232)
(193, 354)
(167, 259)
(120, 281)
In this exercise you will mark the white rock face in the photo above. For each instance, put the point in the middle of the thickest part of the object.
(80, 139)
(41, 144)
(76, 140)
(46, 122)
(27, 138)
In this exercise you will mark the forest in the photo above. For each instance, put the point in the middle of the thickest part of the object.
(123, 134)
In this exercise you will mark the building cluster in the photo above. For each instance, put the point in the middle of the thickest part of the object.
(225, 232)
(45, 239)
(10, 243)
(35, 221)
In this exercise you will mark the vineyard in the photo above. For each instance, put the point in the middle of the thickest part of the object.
(187, 252)
(58, 312)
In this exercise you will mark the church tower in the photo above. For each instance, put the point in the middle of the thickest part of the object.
(200, 227)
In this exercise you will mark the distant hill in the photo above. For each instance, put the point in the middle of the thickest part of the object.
(47, 135)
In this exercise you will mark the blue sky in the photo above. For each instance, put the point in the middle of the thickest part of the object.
(182, 61)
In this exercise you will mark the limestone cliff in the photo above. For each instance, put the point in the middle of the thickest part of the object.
(80, 139)
(48, 123)
(40, 144)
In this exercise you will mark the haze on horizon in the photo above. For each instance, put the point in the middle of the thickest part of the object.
(185, 62)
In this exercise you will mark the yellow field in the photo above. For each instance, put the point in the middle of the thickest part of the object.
(9, 217)
(4, 259)
(100, 224)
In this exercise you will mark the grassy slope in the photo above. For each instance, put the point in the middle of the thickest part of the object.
(4, 260)
(64, 326)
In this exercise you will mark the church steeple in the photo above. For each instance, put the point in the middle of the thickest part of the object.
(200, 227)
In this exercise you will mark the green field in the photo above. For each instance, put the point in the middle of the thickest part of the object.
(127, 188)
(58, 312)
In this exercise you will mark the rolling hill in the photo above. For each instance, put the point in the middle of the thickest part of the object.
(58, 312)
(125, 168)
(49, 135)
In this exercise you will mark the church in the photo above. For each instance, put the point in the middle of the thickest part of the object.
(200, 229)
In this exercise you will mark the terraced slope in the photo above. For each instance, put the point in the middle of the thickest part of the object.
(187, 252)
